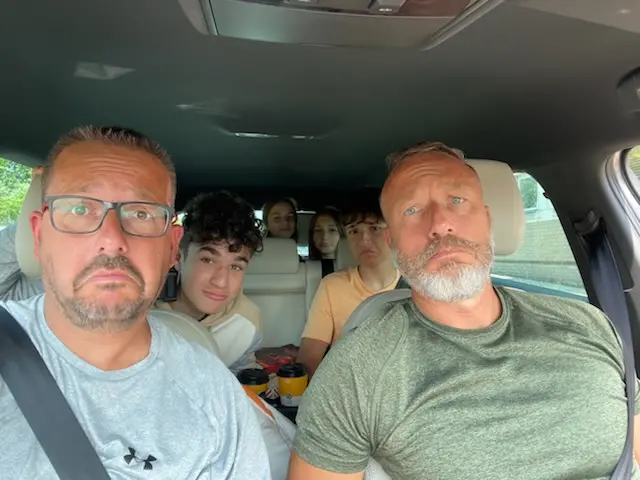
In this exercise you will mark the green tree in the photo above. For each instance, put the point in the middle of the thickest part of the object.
(14, 182)
(529, 191)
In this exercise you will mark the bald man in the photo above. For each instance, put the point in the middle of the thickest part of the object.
(464, 380)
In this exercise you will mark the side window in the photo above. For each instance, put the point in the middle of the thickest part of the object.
(14, 183)
(544, 263)
(632, 163)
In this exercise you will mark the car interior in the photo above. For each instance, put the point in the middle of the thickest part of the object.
(273, 98)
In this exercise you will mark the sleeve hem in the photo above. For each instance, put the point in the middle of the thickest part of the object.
(310, 454)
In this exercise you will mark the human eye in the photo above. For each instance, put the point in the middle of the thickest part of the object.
(77, 207)
(237, 268)
(457, 200)
(411, 211)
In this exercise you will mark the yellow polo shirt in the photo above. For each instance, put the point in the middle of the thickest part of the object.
(338, 295)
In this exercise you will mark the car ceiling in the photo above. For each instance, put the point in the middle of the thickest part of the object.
(528, 81)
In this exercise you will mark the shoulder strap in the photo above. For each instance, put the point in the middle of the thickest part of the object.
(327, 266)
(372, 305)
(44, 406)
(610, 292)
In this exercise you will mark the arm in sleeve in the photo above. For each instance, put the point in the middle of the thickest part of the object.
(334, 427)
(320, 322)
(14, 285)
(242, 449)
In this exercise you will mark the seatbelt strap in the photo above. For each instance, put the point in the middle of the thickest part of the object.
(44, 406)
(327, 266)
(372, 305)
(610, 293)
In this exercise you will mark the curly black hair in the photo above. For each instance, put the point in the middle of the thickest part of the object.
(222, 217)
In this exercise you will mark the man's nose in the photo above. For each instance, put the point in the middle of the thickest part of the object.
(438, 222)
(367, 236)
(111, 238)
(220, 277)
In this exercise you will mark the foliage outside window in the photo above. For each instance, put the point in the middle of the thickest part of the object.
(633, 161)
(14, 183)
(529, 191)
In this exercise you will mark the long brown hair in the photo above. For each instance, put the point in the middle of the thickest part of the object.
(314, 252)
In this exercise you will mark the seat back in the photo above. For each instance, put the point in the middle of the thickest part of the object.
(314, 276)
(24, 244)
(276, 281)
(344, 257)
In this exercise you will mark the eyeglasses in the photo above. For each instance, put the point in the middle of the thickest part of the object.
(76, 214)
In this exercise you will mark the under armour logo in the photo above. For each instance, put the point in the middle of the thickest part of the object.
(147, 461)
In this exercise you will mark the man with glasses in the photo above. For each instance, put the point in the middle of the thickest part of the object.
(105, 239)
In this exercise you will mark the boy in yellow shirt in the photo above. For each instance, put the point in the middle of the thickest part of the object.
(341, 292)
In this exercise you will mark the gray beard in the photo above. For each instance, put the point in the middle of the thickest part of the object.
(453, 282)
(92, 315)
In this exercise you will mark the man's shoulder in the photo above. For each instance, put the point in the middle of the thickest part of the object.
(24, 311)
(556, 309)
(381, 331)
(178, 333)
(189, 362)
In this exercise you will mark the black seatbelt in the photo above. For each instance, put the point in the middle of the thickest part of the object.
(610, 293)
(44, 406)
(327, 266)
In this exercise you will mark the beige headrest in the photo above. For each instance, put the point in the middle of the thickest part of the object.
(344, 257)
(502, 196)
(24, 236)
(279, 255)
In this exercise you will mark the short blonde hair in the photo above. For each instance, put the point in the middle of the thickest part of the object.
(395, 159)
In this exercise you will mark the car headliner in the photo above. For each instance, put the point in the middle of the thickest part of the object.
(521, 85)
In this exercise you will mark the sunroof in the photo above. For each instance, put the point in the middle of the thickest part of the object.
(408, 8)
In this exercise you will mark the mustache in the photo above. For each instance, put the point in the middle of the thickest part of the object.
(449, 241)
(105, 262)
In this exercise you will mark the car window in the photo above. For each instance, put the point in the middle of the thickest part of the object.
(632, 163)
(15, 179)
(544, 263)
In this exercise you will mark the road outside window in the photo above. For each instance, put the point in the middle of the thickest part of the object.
(544, 263)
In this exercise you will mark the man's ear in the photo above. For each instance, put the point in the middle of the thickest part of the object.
(387, 236)
(176, 235)
(35, 219)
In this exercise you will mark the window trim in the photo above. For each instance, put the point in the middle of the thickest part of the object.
(621, 185)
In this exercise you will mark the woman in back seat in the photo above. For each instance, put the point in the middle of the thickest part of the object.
(325, 231)
(281, 218)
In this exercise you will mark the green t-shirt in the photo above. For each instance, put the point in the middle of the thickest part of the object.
(539, 395)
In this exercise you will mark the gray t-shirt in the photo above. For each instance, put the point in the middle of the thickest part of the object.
(537, 395)
(179, 412)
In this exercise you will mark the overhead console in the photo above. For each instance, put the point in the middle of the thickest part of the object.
(417, 24)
